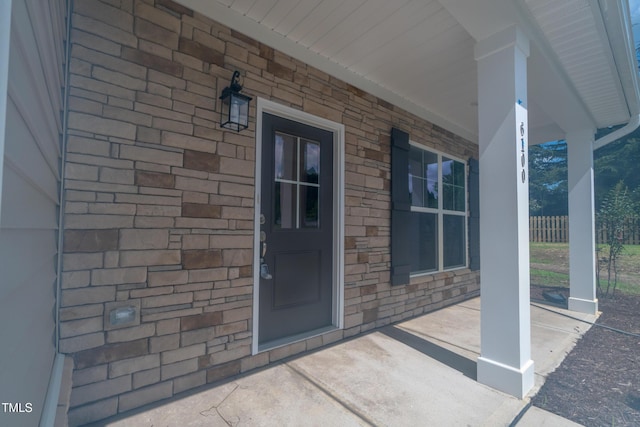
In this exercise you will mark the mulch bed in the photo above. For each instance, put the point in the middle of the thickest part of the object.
(598, 383)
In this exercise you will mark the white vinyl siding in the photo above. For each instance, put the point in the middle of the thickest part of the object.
(29, 202)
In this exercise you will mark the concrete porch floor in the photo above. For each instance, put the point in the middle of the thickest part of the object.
(419, 372)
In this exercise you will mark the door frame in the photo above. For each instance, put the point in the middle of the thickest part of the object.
(337, 129)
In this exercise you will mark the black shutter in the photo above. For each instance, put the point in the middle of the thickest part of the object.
(400, 208)
(474, 214)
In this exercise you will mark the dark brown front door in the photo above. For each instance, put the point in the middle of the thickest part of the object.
(296, 278)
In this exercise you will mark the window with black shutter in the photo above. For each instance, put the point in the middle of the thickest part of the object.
(429, 223)
(400, 208)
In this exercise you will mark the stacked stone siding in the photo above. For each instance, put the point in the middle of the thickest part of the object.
(159, 203)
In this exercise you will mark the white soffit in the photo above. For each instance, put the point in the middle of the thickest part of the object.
(411, 53)
(575, 32)
(418, 54)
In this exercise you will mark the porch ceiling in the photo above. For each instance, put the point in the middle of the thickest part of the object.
(418, 54)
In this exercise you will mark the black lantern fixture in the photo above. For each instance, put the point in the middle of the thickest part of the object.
(234, 112)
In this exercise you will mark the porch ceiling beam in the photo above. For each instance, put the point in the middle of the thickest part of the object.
(549, 85)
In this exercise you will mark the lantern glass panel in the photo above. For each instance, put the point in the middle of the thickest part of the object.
(235, 111)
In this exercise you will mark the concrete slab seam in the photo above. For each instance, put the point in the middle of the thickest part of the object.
(520, 415)
(576, 329)
(328, 393)
(466, 307)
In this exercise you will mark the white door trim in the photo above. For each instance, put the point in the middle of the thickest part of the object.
(266, 106)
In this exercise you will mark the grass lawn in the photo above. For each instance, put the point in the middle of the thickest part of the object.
(550, 266)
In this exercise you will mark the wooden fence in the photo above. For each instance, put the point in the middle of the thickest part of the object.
(555, 229)
(549, 229)
(630, 233)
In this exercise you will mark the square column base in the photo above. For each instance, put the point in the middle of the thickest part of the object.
(516, 382)
(583, 305)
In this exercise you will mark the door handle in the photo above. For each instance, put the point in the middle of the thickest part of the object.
(264, 267)
(264, 271)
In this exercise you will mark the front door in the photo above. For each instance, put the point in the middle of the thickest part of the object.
(296, 231)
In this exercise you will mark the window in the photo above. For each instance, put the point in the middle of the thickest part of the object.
(437, 189)
(297, 168)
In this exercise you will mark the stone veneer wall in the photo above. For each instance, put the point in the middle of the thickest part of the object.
(159, 203)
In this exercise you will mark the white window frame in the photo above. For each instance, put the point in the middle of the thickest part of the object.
(440, 212)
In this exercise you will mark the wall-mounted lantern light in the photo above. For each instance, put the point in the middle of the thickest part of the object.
(234, 113)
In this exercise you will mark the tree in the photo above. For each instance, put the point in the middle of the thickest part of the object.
(548, 190)
(616, 208)
(616, 162)
(548, 179)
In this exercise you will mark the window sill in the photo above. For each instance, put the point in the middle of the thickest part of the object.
(434, 273)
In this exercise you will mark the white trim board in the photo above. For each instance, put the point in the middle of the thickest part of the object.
(5, 40)
(266, 106)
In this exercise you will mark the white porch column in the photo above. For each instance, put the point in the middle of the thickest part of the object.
(505, 360)
(582, 242)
